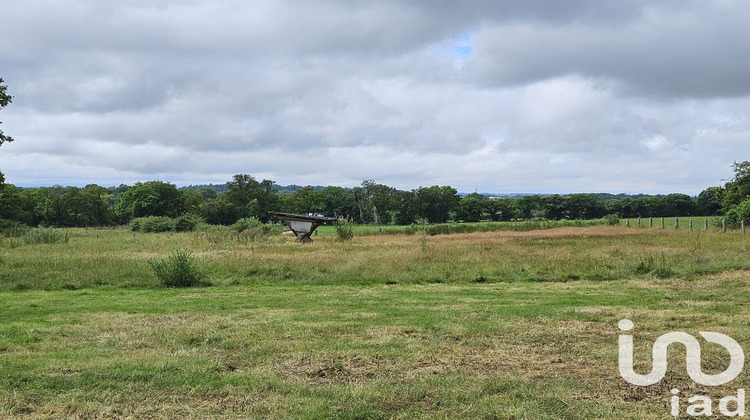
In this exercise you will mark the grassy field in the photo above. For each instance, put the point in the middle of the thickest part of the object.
(505, 324)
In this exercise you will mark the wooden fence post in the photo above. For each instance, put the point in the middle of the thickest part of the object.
(627, 222)
(650, 222)
(676, 222)
(662, 223)
(691, 225)
(723, 225)
(705, 225)
(639, 222)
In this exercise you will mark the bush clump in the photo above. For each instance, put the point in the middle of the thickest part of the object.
(611, 220)
(252, 228)
(12, 229)
(187, 223)
(247, 223)
(152, 224)
(178, 270)
(739, 213)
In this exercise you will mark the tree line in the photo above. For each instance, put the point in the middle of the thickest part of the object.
(371, 202)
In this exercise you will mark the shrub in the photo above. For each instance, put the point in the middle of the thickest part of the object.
(12, 229)
(152, 224)
(739, 213)
(611, 219)
(135, 224)
(247, 223)
(178, 270)
(344, 229)
(252, 228)
(187, 223)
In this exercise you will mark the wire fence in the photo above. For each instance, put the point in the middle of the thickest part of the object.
(709, 223)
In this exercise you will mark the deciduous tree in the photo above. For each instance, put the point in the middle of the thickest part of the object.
(436, 203)
(152, 198)
(738, 188)
(708, 202)
(5, 99)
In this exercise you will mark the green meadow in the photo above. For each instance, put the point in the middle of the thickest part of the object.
(506, 324)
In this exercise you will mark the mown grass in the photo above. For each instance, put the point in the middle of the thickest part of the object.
(508, 325)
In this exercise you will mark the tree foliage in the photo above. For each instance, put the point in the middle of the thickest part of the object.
(436, 203)
(251, 198)
(470, 209)
(5, 99)
(152, 198)
(709, 201)
(739, 213)
(737, 189)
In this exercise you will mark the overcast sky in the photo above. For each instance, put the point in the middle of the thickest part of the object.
(490, 96)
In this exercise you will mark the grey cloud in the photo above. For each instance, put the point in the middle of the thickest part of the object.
(504, 95)
(697, 52)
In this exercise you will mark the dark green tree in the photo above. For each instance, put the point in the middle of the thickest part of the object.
(208, 193)
(252, 198)
(470, 209)
(529, 206)
(500, 209)
(647, 207)
(624, 207)
(5, 99)
(737, 189)
(152, 198)
(405, 207)
(96, 201)
(554, 207)
(11, 202)
(584, 206)
(378, 198)
(306, 200)
(708, 202)
(738, 213)
(436, 203)
(338, 202)
(192, 199)
(676, 205)
(268, 200)
(243, 191)
(54, 206)
(219, 211)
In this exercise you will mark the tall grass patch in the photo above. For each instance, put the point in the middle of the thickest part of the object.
(178, 270)
(344, 229)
